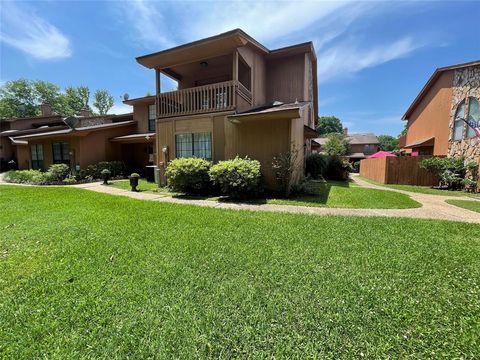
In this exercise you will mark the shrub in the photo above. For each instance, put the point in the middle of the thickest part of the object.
(283, 166)
(237, 178)
(336, 145)
(453, 172)
(70, 179)
(94, 171)
(188, 175)
(308, 186)
(34, 177)
(316, 165)
(57, 172)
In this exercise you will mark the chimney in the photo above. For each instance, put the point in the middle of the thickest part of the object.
(85, 112)
(345, 131)
(46, 109)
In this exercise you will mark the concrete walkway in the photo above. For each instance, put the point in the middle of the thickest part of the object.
(433, 206)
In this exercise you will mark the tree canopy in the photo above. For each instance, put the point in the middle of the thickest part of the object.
(22, 97)
(388, 142)
(329, 125)
(336, 145)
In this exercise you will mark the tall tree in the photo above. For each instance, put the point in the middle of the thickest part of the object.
(329, 125)
(18, 99)
(103, 101)
(387, 142)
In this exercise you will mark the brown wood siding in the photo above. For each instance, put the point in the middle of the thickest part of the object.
(431, 117)
(397, 170)
(285, 79)
(140, 115)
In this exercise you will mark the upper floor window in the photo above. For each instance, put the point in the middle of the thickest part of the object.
(473, 116)
(194, 144)
(369, 149)
(458, 122)
(61, 153)
(152, 115)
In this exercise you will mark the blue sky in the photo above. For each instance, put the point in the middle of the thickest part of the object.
(373, 56)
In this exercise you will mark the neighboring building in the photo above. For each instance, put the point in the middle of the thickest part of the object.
(37, 142)
(361, 145)
(434, 119)
(234, 97)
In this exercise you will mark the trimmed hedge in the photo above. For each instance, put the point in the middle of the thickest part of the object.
(188, 175)
(94, 171)
(329, 167)
(238, 177)
(56, 174)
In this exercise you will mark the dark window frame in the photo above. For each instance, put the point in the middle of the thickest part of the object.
(38, 163)
(63, 159)
(152, 121)
(193, 143)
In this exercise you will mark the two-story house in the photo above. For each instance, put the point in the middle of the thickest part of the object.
(436, 118)
(360, 145)
(234, 97)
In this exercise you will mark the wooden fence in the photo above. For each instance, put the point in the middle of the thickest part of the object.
(397, 170)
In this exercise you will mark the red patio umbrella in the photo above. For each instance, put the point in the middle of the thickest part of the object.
(381, 154)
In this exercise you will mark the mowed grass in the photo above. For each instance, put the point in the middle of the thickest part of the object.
(466, 204)
(89, 275)
(422, 189)
(335, 194)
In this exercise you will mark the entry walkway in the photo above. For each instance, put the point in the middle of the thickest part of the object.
(433, 206)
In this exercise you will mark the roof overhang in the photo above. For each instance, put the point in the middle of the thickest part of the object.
(424, 142)
(134, 138)
(309, 133)
(279, 114)
(141, 100)
(216, 45)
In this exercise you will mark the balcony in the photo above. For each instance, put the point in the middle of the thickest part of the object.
(222, 96)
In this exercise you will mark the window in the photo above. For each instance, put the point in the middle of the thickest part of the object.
(458, 122)
(194, 144)
(473, 116)
(61, 153)
(369, 149)
(152, 115)
(37, 156)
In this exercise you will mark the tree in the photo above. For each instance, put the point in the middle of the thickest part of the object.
(18, 99)
(387, 142)
(329, 125)
(103, 101)
(76, 99)
(336, 145)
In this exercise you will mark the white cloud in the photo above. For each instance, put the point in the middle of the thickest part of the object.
(148, 23)
(120, 108)
(24, 30)
(347, 58)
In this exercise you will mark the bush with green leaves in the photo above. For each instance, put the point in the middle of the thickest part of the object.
(188, 175)
(316, 165)
(336, 145)
(33, 177)
(453, 172)
(94, 171)
(58, 172)
(237, 178)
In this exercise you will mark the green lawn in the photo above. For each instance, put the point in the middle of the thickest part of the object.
(466, 204)
(89, 275)
(422, 189)
(335, 194)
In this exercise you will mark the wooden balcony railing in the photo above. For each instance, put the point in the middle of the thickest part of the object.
(202, 99)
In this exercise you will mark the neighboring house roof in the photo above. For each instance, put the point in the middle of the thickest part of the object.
(76, 130)
(41, 117)
(226, 41)
(358, 155)
(433, 78)
(15, 132)
(354, 139)
(363, 138)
